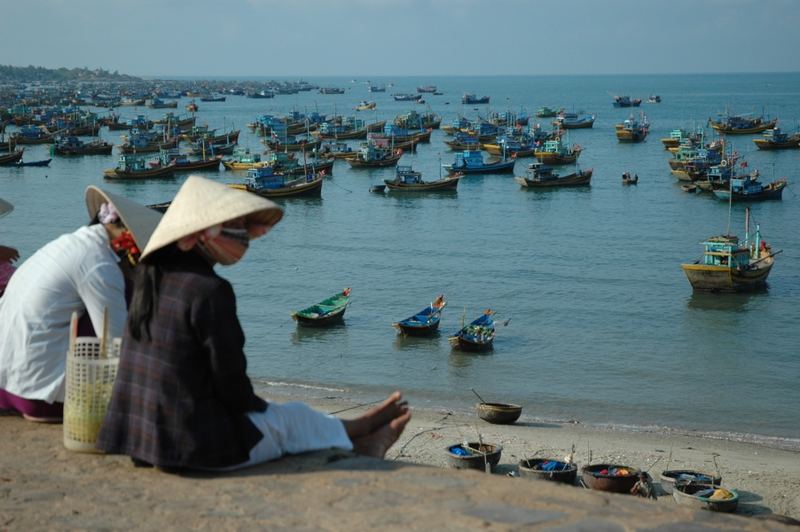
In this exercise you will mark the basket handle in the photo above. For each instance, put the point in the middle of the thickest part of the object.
(105, 333)
(73, 331)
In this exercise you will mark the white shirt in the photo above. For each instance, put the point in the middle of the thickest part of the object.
(77, 272)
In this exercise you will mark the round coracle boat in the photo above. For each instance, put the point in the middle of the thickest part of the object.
(498, 413)
(610, 477)
(548, 469)
(474, 455)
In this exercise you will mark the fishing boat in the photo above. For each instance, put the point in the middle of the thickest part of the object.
(182, 163)
(327, 312)
(192, 107)
(547, 112)
(212, 98)
(243, 159)
(463, 141)
(335, 150)
(430, 89)
(654, 98)
(269, 184)
(376, 88)
(419, 121)
(158, 103)
(136, 167)
(402, 97)
(347, 128)
(631, 130)
(471, 99)
(472, 162)
(538, 175)
(775, 139)
(477, 336)
(626, 101)
(628, 179)
(11, 158)
(744, 124)
(516, 147)
(285, 163)
(331, 90)
(749, 188)
(706, 496)
(425, 322)
(43, 162)
(408, 180)
(574, 120)
(32, 135)
(374, 154)
(366, 106)
(293, 143)
(730, 266)
(677, 136)
(147, 142)
(71, 146)
(556, 152)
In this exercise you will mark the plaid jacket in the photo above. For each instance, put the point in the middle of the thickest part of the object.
(180, 399)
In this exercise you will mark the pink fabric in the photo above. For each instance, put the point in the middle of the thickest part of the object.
(30, 407)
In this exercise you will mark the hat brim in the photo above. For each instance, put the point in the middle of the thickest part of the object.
(201, 203)
(141, 221)
(5, 207)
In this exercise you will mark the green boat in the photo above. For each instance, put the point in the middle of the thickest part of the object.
(327, 312)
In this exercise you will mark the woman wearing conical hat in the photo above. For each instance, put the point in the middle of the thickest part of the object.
(182, 397)
(80, 272)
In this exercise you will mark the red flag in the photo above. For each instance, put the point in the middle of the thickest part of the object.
(744, 164)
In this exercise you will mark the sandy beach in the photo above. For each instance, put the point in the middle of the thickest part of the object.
(767, 479)
(42, 485)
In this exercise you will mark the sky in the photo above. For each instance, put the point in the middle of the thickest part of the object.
(285, 38)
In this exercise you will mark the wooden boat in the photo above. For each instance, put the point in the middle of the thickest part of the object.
(418, 121)
(555, 152)
(366, 106)
(775, 139)
(705, 496)
(374, 155)
(285, 163)
(11, 158)
(464, 142)
(741, 124)
(265, 182)
(298, 143)
(626, 101)
(574, 121)
(32, 135)
(728, 266)
(471, 99)
(749, 188)
(628, 179)
(609, 477)
(402, 97)
(335, 150)
(182, 163)
(668, 478)
(431, 89)
(72, 146)
(327, 312)
(211, 98)
(477, 336)
(243, 159)
(631, 130)
(679, 136)
(546, 112)
(408, 180)
(43, 162)
(471, 162)
(192, 107)
(147, 142)
(425, 322)
(511, 148)
(157, 103)
(548, 469)
(134, 167)
(539, 176)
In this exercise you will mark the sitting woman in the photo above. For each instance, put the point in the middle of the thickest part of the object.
(79, 272)
(182, 398)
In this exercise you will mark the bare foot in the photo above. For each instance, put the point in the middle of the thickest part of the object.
(378, 442)
(377, 416)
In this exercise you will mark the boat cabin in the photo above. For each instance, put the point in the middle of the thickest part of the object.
(775, 135)
(132, 163)
(469, 159)
(539, 172)
(404, 174)
(265, 177)
(725, 251)
(243, 155)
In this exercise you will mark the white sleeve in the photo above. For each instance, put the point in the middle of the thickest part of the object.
(104, 287)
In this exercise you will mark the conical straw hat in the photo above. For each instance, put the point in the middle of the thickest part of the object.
(141, 221)
(201, 203)
(5, 207)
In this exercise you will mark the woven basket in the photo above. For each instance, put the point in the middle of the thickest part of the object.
(90, 379)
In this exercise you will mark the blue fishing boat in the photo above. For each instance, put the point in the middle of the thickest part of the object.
(425, 322)
(477, 336)
(749, 188)
(775, 139)
(404, 97)
(574, 120)
(266, 182)
(744, 124)
(626, 101)
(472, 162)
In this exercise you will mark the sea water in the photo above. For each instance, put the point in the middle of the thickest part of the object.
(596, 321)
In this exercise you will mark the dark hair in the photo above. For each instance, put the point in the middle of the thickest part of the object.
(147, 281)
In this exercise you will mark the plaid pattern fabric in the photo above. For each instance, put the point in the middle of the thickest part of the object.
(180, 399)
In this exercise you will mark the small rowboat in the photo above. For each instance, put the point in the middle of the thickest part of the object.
(705, 496)
(44, 162)
(477, 336)
(628, 179)
(425, 322)
(547, 469)
(609, 477)
(327, 312)
(11, 158)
